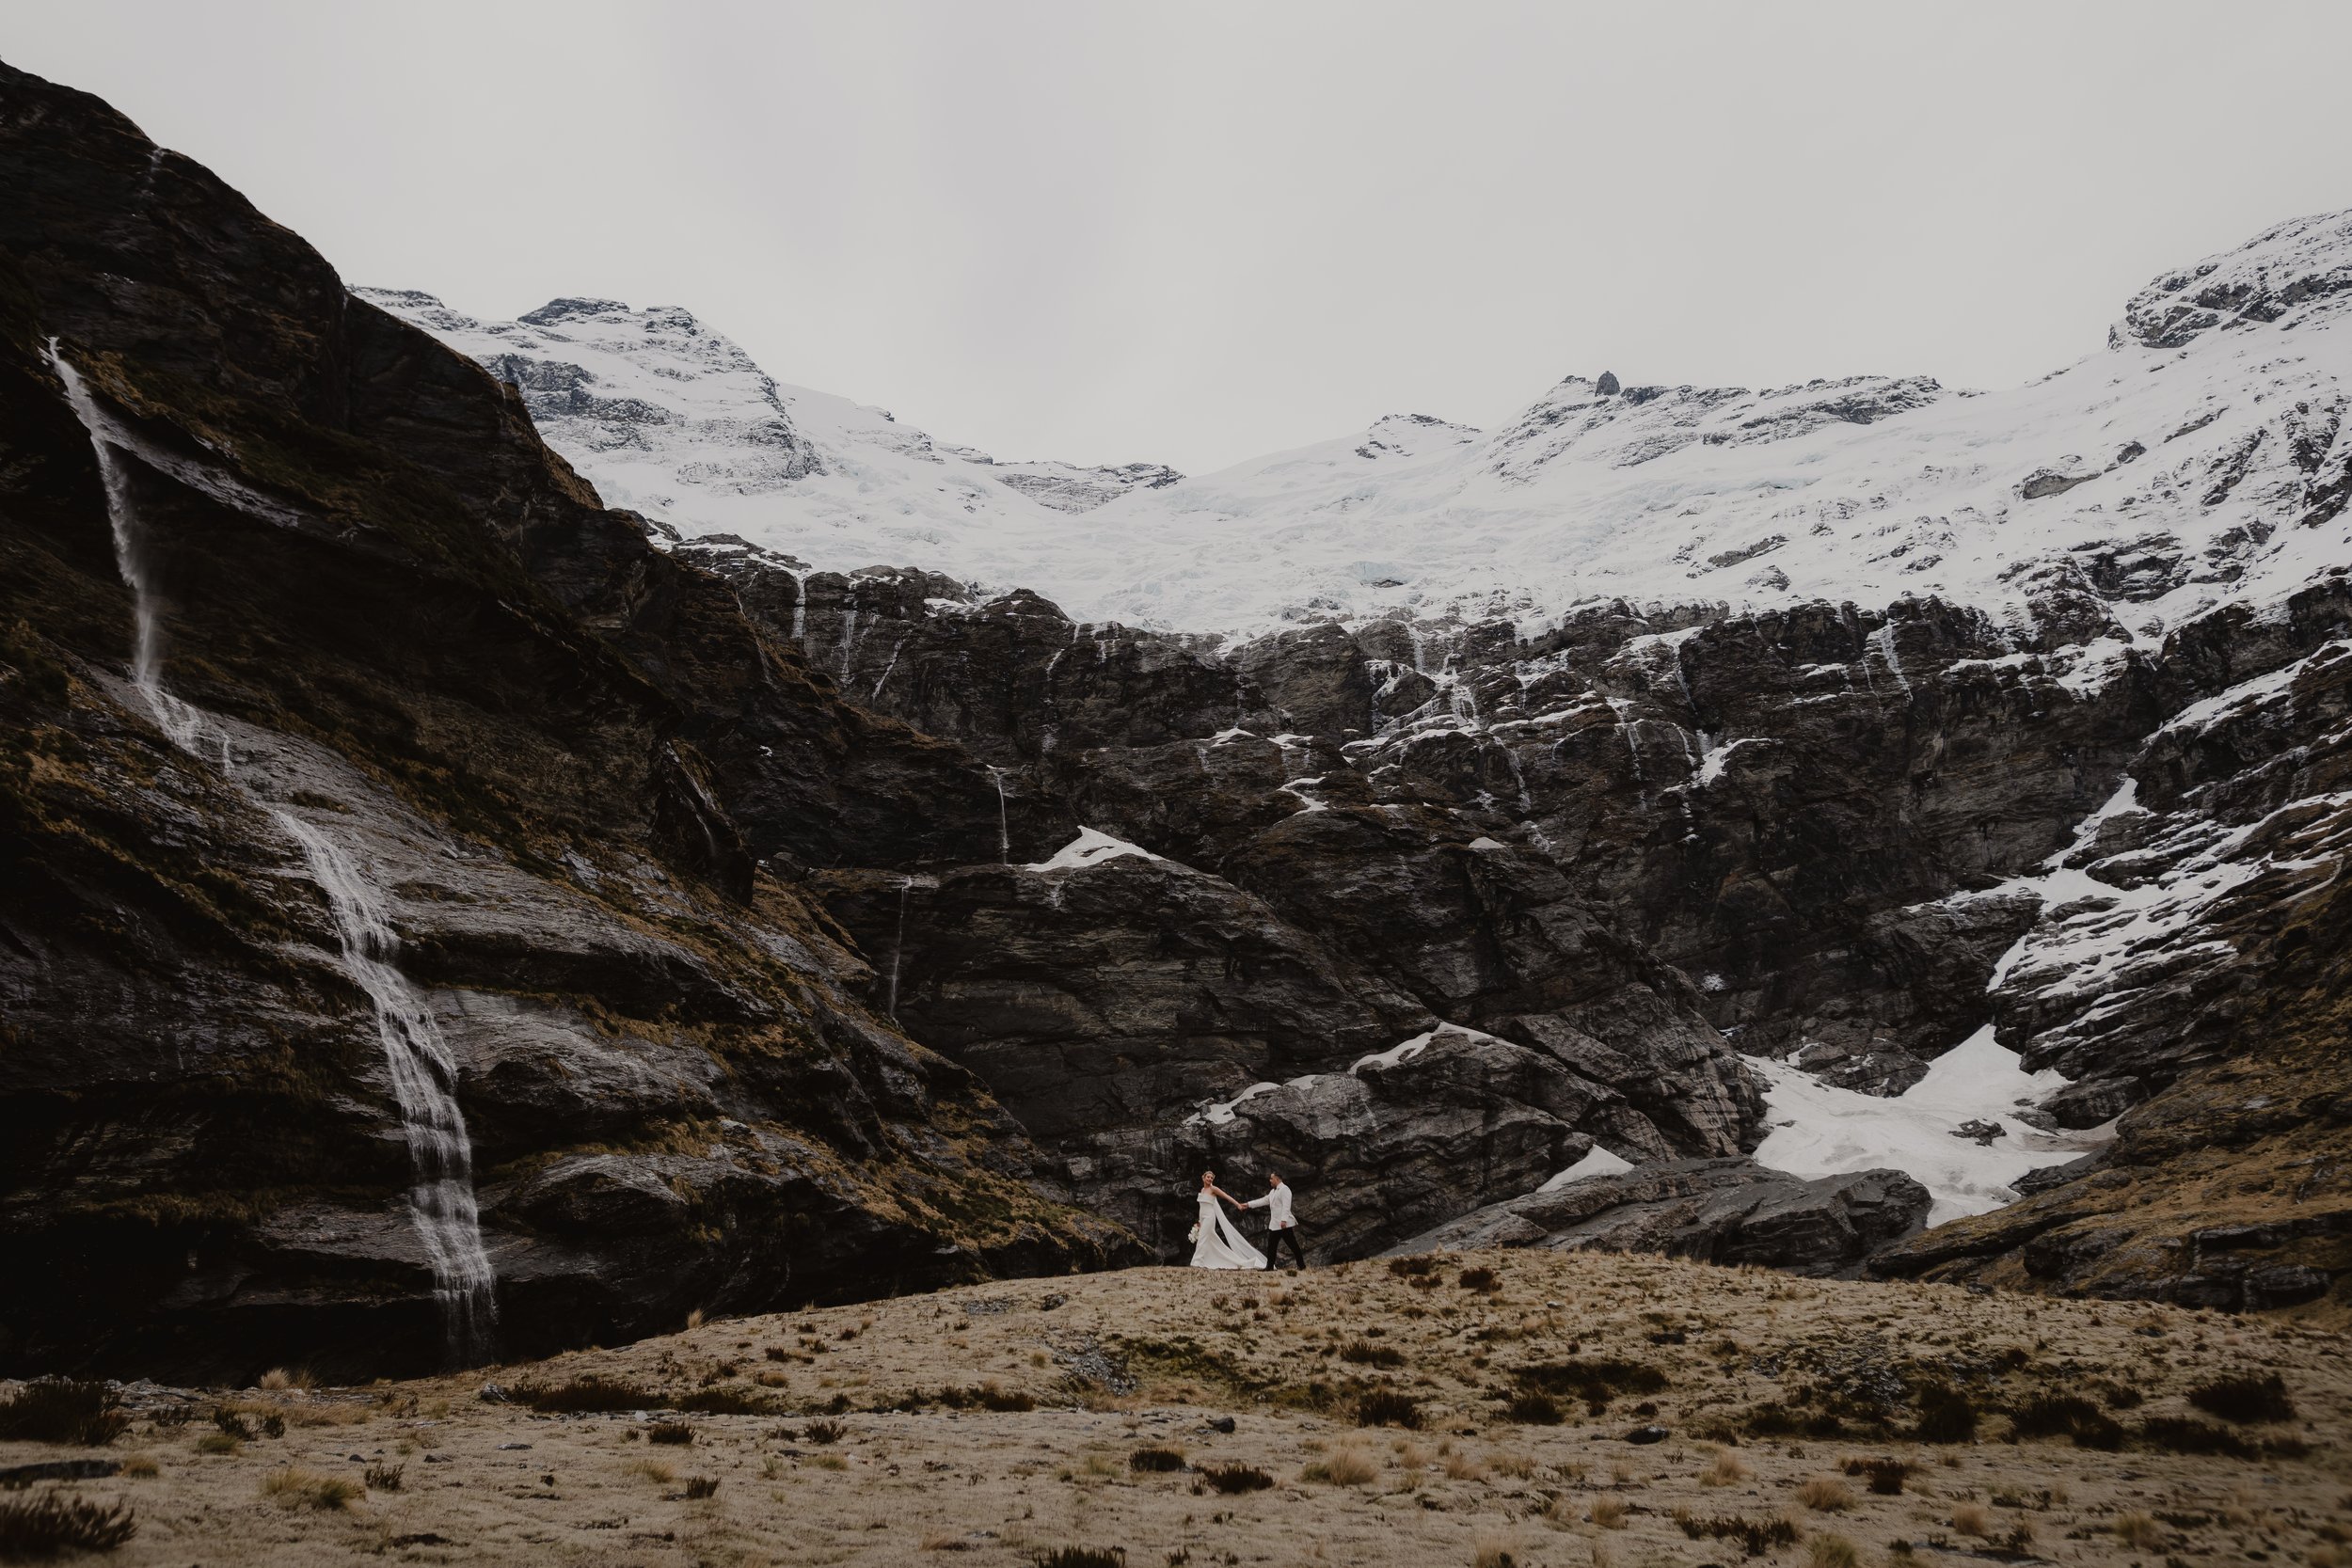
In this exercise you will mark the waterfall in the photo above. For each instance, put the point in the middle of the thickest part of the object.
(175, 719)
(898, 947)
(440, 1157)
(1004, 821)
(799, 608)
(1883, 640)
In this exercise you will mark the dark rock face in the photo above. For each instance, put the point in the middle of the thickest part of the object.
(1717, 1211)
(556, 756)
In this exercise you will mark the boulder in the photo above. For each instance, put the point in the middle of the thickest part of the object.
(1717, 1211)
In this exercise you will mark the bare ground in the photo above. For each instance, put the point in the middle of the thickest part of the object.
(1766, 1387)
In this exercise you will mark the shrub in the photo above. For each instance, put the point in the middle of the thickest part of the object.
(1885, 1476)
(723, 1401)
(385, 1478)
(824, 1431)
(1831, 1551)
(1079, 1556)
(1145, 1461)
(699, 1487)
(1945, 1417)
(1409, 1268)
(1595, 1380)
(142, 1466)
(218, 1443)
(2050, 1414)
(2137, 1531)
(1379, 1407)
(63, 1410)
(1608, 1512)
(1825, 1494)
(2180, 1434)
(2244, 1399)
(679, 1433)
(589, 1395)
(291, 1487)
(52, 1525)
(1234, 1479)
(1362, 1353)
(1534, 1410)
(1973, 1519)
(988, 1396)
(1755, 1536)
(1481, 1280)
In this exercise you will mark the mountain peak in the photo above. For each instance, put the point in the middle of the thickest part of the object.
(2305, 262)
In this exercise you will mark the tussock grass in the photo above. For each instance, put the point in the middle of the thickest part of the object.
(1755, 1536)
(1147, 1460)
(54, 1525)
(2244, 1400)
(1885, 1477)
(294, 1487)
(1233, 1480)
(1831, 1551)
(590, 1395)
(1344, 1466)
(1379, 1407)
(63, 1410)
(677, 1432)
(1825, 1494)
(1726, 1469)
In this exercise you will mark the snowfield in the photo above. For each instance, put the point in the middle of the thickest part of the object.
(2172, 471)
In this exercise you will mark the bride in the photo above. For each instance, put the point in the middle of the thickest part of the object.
(1215, 1245)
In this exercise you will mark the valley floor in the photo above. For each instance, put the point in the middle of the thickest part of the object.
(1745, 1371)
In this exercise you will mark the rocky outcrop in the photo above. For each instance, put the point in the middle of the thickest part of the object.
(1715, 1210)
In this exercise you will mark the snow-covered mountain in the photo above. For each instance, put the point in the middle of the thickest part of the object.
(2198, 458)
(673, 420)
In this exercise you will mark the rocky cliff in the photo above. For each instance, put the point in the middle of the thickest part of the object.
(369, 786)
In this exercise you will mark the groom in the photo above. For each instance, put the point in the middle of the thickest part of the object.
(1280, 1227)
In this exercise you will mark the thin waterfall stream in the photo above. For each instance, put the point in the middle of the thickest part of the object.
(423, 1076)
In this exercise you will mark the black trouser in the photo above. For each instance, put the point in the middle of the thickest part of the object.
(1274, 1239)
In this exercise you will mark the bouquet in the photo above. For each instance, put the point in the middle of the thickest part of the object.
(1193, 1235)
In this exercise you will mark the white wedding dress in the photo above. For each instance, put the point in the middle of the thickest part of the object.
(1220, 1245)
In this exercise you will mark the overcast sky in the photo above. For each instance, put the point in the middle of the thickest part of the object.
(1195, 232)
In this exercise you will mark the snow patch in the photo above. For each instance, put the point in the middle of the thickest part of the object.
(1820, 1130)
(1093, 847)
(1599, 1162)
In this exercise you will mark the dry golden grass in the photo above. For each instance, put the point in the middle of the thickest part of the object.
(1825, 1494)
(1726, 1469)
(1831, 1551)
(1973, 1519)
(2139, 1531)
(828, 1477)
(1491, 1550)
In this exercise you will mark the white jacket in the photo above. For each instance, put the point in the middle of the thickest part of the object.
(1276, 1204)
